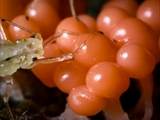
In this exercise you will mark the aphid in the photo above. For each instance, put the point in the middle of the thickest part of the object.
(25, 53)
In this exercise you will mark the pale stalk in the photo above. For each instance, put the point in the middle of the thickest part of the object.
(71, 2)
(147, 90)
(114, 110)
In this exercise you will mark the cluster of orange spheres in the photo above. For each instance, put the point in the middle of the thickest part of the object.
(127, 48)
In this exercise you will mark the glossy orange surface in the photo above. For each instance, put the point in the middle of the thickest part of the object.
(69, 24)
(45, 16)
(133, 30)
(129, 6)
(107, 79)
(17, 33)
(98, 48)
(136, 60)
(149, 12)
(70, 74)
(109, 17)
(84, 102)
(45, 71)
(89, 21)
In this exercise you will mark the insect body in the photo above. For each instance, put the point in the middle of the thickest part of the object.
(19, 54)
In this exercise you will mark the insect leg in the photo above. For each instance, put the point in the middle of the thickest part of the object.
(57, 35)
(9, 82)
(8, 79)
(52, 59)
(60, 58)
(2, 34)
(19, 26)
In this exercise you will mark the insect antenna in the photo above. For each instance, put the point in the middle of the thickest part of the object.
(67, 56)
(53, 38)
(2, 33)
(19, 26)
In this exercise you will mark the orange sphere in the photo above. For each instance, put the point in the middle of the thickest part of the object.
(106, 20)
(149, 12)
(69, 24)
(133, 30)
(45, 16)
(129, 6)
(45, 72)
(89, 21)
(84, 102)
(107, 79)
(17, 33)
(97, 48)
(136, 60)
(70, 74)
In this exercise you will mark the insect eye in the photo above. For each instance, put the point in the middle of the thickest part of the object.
(114, 40)
(7, 59)
(34, 59)
(33, 36)
(100, 32)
